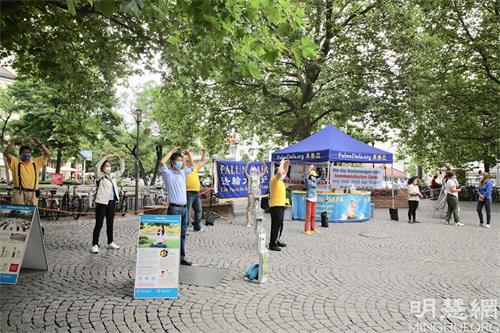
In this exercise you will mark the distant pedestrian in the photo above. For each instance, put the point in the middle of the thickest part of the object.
(414, 196)
(485, 196)
(106, 198)
(452, 189)
(433, 187)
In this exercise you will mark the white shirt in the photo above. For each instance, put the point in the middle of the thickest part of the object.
(413, 189)
(453, 182)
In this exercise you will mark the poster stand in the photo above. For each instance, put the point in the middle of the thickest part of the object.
(22, 243)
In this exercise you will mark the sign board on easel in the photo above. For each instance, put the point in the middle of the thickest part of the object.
(21, 242)
(158, 257)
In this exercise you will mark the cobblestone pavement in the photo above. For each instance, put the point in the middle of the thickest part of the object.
(358, 277)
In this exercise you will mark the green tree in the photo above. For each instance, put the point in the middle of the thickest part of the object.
(450, 111)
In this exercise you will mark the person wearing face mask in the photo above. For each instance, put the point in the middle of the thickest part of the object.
(174, 173)
(25, 171)
(277, 201)
(312, 197)
(106, 197)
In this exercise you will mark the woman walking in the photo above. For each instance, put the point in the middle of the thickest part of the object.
(485, 191)
(106, 197)
(414, 196)
(452, 189)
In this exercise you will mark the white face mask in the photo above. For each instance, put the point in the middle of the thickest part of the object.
(107, 170)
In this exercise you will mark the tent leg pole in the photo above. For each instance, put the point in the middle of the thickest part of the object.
(392, 185)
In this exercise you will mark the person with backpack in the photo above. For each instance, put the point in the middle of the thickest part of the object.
(106, 198)
(485, 197)
(25, 171)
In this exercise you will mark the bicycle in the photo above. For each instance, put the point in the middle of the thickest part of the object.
(158, 199)
(73, 204)
(6, 199)
(52, 203)
(122, 204)
(88, 200)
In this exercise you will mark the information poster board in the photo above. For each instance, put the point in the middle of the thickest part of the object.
(21, 242)
(360, 178)
(298, 174)
(158, 257)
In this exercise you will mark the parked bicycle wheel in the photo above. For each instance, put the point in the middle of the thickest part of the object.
(146, 201)
(43, 205)
(124, 205)
(54, 210)
(76, 207)
(160, 199)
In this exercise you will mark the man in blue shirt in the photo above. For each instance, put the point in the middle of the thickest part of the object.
(174, 177)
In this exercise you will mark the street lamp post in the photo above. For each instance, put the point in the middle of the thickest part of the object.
(138, 119)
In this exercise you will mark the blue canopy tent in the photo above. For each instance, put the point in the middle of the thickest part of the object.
(332, 145)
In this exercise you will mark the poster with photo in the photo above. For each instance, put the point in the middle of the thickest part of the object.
(15, 225)
(158, 257)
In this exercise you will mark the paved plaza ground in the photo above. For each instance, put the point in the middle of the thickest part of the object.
(357, 277)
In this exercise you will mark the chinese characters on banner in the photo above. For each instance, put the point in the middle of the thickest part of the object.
(231, 180)
(360, 178)
(158, 257)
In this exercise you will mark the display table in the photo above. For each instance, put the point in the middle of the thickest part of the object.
(340, 207)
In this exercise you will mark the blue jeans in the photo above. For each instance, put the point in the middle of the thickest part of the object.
(194, 200)
(486, 204)
(182, 211)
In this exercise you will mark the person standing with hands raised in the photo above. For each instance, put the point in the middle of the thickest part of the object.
(25, 171)
(277, 194)
(174, 173)
(193, 187)
(106, 197)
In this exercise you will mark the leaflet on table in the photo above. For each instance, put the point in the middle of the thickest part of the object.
(15, 228)
(158, 257)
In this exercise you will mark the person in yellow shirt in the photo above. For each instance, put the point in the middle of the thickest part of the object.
(193, 187)
(25, 171)
(277, 195)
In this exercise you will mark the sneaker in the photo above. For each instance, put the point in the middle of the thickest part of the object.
(95, 249)
(113, 246)
(280, 244)
(447, 222)
(481, 224)
(199, 230)
(458, 224)
(275, 248)
(308, 232)
(316, 231)
(487, 226)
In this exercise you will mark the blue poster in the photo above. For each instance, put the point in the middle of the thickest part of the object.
(231, 180)
(158, 257)
(340, 207)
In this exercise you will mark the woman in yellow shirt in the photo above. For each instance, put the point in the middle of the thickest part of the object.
(277, 194)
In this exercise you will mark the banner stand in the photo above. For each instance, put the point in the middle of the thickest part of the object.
(35, 256)
(21, 239)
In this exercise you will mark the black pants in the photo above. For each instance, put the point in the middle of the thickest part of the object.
(277, 215)
(102, 211)
(412, 210)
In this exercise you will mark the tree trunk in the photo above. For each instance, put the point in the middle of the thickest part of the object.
(58, 160)
(159, 155)
(486, 166)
